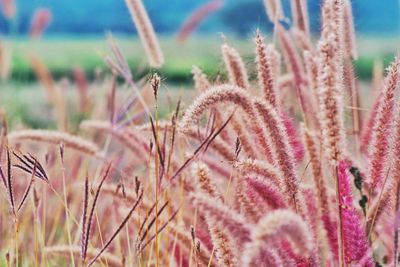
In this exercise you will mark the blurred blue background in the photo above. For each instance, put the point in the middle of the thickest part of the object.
(241, 17)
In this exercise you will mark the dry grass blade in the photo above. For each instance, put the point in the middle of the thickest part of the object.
(10, 184)
(205, 143)
(3, 178)
(30, 163)
(159, 230)
(173, 134)
(84, 221)
(146, 218)
(92, 209)
(219, 130)
(118, 229)
(160, 154)
(153, 220)
(28, 189)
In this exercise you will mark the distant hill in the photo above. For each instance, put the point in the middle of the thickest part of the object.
(237, 16)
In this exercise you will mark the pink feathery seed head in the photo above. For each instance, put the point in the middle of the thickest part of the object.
(225, 250)
(180, 257)
(216, 95)
(201, 82)
(226, 94)
(204, 237)
(294, 65)
(265, 70)
(352, 86)
(282, 225)
(263, 255)
(197, 17)
(379, 148)
(313, 152)
(349, 37)
(355, 243)
(234, 64)
(302, 40)
(261, 168)
(310, 64)
(222, 216)
(40, 21)
(248, 206)
(294, 138)
(326, 17)
(344, 186)
(146, 32)
(271, 195)
(276, 64)
(395, 159)
(331, 233)
(292, 58)
(368, 126)
(300, 15)
(337, 21)
(282, 151)
(9, 9)
(274, 10)
(330, 98)
(286, 251)
(332, 20)
(310, 198)
(276, 228)
(203, 181)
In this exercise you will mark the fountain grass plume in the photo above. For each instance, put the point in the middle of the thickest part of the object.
(237, 73)
(282, 152)
(265, 70)
(355, 243)
(226, 94)
(146, 32)
(379, 148)
(278, 225)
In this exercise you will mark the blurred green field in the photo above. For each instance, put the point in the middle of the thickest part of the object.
(25, 103)
(61, 55)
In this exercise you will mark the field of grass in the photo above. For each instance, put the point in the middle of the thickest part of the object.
(291, 163)
(63, 54)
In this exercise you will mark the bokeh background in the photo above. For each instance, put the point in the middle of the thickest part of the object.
(74, 38)
(239, 17)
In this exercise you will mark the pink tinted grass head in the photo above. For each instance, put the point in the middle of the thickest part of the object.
(355, 243)
(40, 21)
(9, 8)
(195, 19)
